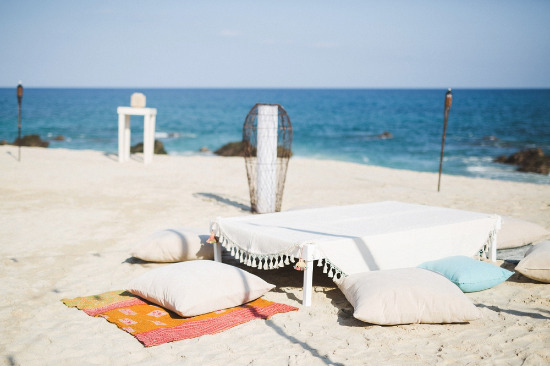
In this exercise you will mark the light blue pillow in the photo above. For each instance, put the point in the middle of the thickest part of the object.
(468, 274)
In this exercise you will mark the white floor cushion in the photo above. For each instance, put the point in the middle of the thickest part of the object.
(198, 287)
(517, 233)
(406, 296)
(536, 263)
(174, 245)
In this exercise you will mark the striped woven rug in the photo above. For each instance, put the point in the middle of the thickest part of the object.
(153, 325)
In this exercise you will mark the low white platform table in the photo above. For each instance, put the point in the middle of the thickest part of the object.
(356, 238)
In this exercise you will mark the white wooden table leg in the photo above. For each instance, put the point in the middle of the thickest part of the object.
(121, 126)
(152, 120)
(147, 147)
(493, 244)
(217, 252)
(308, 274)
(493, 249)
(127, 135)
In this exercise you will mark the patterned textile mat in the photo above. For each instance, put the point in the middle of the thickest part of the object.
(153, 325)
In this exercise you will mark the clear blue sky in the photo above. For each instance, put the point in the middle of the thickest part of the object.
(358, 44)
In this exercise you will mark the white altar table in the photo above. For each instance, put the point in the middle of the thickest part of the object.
(149, 118)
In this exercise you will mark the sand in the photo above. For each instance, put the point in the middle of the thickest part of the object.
(70, 218)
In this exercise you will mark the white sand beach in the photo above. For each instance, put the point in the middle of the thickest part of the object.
(69, 220)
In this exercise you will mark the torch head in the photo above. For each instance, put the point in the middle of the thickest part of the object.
(448, 99)
(19, 92)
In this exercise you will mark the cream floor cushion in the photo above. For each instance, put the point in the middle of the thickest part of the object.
(406, 296)
(536, 263)
(198, 287)
(174, 245)
(517, 233)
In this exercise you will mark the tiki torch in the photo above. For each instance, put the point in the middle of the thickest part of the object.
(448, 102)
(19, 99)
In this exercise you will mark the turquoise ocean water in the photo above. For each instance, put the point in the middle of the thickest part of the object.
(339, 124)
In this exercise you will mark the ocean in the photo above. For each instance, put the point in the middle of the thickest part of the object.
(337, 124)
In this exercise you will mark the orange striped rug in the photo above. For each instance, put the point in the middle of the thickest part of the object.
(153, 325)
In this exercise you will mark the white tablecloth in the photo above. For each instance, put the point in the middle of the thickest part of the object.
(357, 238)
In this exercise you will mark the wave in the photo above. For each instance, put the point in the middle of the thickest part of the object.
(169, 135)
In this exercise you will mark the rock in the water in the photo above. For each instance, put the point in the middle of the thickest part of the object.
(385, 135)
(231, 149)
(238, 149)
(31, 140)
(159, 148)
(59, 138)
(204, 149)
(530, 160)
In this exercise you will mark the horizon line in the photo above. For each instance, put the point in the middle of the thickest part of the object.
(287, 87)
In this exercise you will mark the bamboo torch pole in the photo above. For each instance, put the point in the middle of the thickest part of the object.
(19, 99)
(448, 102)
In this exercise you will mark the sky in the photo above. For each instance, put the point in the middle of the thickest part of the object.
(275, 44)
